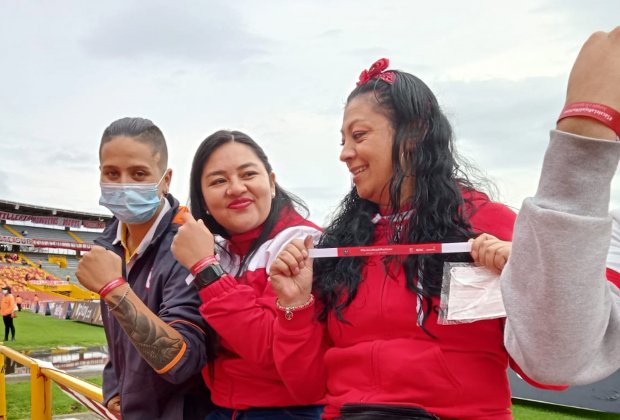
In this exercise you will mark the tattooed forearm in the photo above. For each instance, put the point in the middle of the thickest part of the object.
(157, 342)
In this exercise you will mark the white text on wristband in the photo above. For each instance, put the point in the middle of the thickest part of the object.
(606, 115)
(404, 249)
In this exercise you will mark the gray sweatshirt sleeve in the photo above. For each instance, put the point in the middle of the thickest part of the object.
(563, 323)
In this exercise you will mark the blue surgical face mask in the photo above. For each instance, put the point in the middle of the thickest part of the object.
(132, 203)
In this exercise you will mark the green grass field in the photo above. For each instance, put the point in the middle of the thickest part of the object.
(523, 410)
(33, 331)
(18, 400)
(36, 332)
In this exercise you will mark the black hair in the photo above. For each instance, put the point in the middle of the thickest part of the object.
(282, 199)
(423, 155)
(139, 129)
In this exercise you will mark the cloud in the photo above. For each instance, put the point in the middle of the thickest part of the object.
(5, 185)
(581, 15)
(213, 34)
(72, 159)
(330, 34)
(280, 71)
(505, 123)
(21, 156)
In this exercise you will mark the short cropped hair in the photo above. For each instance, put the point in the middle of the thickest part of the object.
(139, 129)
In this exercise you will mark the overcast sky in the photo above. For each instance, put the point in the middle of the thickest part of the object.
(280, 71)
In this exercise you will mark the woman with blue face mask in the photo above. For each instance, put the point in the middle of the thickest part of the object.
(156, 336)
(132, 203)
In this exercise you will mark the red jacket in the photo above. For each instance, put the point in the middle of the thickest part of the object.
(383, 356)
(243, 312)
(613, 276)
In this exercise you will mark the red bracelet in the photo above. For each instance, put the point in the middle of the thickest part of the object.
(111, 285)
(202, 264)
(608, 116)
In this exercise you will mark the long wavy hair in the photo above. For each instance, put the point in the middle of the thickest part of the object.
(282, 200)
(423, 155)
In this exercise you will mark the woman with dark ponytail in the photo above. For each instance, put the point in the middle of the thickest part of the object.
(241, 214)
(373, 344)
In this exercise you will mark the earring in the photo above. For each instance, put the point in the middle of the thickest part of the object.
(273, 195)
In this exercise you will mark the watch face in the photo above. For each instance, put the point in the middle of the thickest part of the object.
(207, 276)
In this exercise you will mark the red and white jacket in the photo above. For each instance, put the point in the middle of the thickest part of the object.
(613, 256)
(382, 355)
(242, 311)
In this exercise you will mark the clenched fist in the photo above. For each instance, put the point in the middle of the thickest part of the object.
(291, 273)
(193, 242)
(595, 77)
(114, 406)
(98, 267)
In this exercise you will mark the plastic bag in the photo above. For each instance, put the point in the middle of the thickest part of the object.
(469, 293)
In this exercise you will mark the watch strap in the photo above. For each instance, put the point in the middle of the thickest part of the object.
(208, 275)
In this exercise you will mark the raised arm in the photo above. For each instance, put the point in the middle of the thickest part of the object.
(241, 311)
(159, 344)
(563, 322)
(299, 338)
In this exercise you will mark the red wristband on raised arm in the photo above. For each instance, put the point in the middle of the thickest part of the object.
(111, 285)
(606, 115)
(202, 264)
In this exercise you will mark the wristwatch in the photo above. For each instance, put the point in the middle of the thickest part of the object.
(208, 275)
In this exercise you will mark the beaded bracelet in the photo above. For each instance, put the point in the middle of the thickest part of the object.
(111, 285)
(201, 264)
(606, 115)
(288, 310)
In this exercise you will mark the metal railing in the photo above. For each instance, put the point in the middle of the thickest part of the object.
(41, 385)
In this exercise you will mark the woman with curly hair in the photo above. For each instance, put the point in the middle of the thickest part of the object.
(373, 343)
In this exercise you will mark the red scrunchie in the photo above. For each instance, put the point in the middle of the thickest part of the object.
(377, 70)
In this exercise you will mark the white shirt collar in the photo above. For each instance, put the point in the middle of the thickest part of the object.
(149, 235)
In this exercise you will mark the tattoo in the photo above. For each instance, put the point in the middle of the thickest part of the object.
(151, 340)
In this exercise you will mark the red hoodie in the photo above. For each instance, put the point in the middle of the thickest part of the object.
(613, 276)
(243, 311)
(383, 356)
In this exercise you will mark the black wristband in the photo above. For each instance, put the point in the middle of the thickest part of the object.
(208, 275)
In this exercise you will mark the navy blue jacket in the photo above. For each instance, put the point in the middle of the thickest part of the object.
(159, 281)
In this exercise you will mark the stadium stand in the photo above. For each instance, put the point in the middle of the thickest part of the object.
(6, 231)
(17, 277)
(42, 233)
(59, 270)
(87, 236)
(42, 248)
